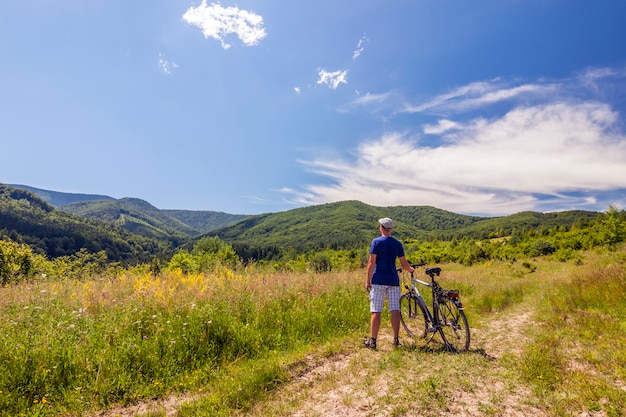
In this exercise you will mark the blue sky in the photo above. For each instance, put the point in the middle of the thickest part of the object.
(477, 107)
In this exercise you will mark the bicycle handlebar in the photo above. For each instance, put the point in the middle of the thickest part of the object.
(421, 263)
(429, 271)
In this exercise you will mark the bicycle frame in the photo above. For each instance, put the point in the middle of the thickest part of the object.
(451, 325)
(416, 293)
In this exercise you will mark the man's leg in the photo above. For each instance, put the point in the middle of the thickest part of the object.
(377, 295)
(395, 322)
(394, 309)
(375, 325)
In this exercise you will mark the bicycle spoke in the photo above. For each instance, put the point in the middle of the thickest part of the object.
(412, 316)
(454, 327)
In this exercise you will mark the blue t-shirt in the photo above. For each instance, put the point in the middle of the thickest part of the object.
(386, 249)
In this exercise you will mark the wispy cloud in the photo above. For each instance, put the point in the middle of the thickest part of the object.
(359, 48)
(219, 22)
(332, 79)
(165, 65)
(479, 94)
(551, 150)
(371, 102)
(442, 126)
(335, 78)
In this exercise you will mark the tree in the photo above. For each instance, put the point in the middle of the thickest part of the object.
(612, 227)
(18, 262)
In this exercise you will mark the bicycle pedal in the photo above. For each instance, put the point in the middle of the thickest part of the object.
(432, 329)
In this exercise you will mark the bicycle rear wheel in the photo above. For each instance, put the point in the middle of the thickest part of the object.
(454, 327)
(412, 316)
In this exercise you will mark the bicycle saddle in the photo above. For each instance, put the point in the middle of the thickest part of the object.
(433, 271)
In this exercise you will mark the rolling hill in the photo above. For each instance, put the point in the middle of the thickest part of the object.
(205, 221)
(57, 198)
(347, 224)
(136, 215)
(26, 218)
(352, 224)
(132, 227)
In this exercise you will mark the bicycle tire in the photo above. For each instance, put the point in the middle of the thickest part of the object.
(413, 316)
(454, 328)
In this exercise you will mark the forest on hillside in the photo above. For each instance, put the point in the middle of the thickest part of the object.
(26, 219)
(22, 260)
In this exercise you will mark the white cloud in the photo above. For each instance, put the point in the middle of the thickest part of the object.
(498, 166)
(332, 79)
(502, 147)
(218, 22)
(477, 95)
(359, 48)
(442, 126)
(297, 90)
(372, 102)
(165, 65)
(370, 98)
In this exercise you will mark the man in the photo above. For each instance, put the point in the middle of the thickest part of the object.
(383, 280)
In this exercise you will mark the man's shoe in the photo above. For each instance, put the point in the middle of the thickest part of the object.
(370, 343)
(396, 342)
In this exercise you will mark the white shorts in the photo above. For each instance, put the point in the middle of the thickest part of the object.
(378, 294)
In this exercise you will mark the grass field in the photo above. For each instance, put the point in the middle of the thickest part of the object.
(548, 338)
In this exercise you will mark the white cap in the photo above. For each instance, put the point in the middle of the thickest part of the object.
(386, 222)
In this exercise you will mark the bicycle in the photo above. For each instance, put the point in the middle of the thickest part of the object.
(447, 317)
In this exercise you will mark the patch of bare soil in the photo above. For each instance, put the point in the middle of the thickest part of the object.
(505, 334)
(337, 394)
(165, 406)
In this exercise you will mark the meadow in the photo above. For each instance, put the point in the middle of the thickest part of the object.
(238, 341)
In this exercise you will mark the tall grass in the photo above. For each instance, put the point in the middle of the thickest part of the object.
(72, 346)
(549, 341)
(577, 360)
(75, 347)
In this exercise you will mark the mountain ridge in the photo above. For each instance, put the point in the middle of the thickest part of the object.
(26, 218)
(58, 198)
(136, 215)
(338, 225)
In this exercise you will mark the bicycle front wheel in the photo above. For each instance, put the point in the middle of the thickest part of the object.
(454, 327)
(412, 316)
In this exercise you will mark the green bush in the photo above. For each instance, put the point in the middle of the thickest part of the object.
(19, 263)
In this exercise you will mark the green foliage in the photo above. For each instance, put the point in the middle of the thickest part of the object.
(97, 343)
(73, 347)
(25, 218)
(207, 254)
(82, 265)
(336, 226)
(613, 226)
(542, 363)
(19, 263)
(580, 338)
(134, 215)
(542, 247)
(563, 243)
(57, 199)
(205, 221)
(326, 237)
(321, 262)
(352, 225)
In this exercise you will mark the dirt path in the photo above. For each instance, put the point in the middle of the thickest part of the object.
(333, 388)
(167, 406)
(352, 384)
(504, 335)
